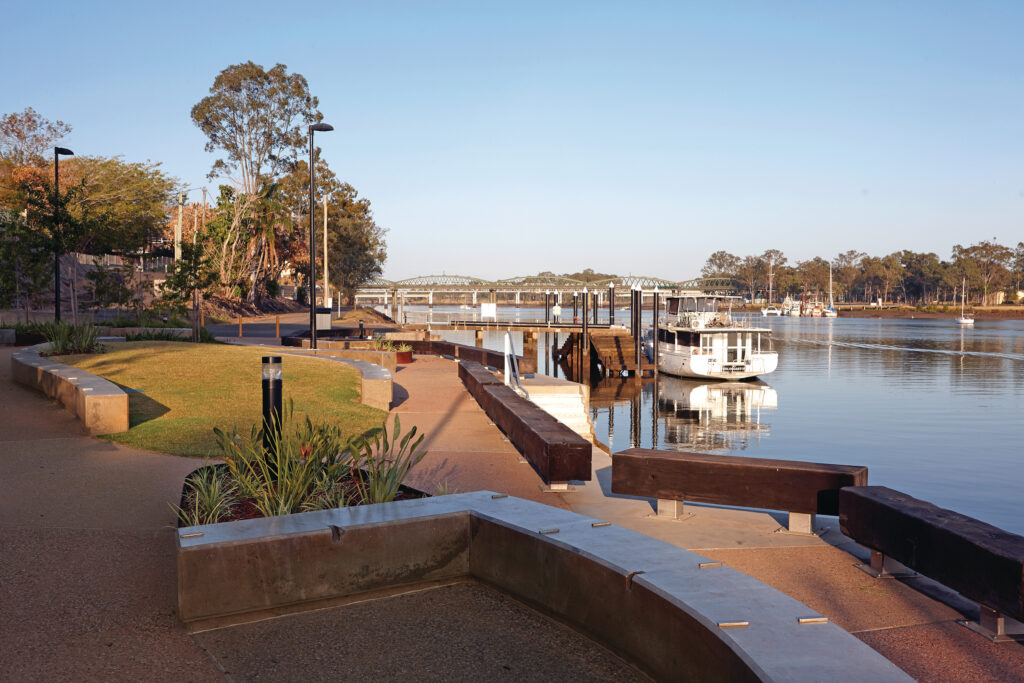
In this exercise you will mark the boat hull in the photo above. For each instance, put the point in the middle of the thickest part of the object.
(687, 364)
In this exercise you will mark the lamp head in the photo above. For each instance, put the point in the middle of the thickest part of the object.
(63, 150)
(321, 127)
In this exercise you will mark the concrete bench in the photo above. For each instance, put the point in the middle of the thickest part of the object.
(671, 612)
(555, 451)
(100, 405)
(803, 489)
(982, 562)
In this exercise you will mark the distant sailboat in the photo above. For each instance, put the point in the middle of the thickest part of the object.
(830, 312)
(963, 319)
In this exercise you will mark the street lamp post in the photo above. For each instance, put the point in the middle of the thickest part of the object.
(319, 128)
(57, 151)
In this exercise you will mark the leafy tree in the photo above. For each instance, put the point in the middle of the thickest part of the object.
(988, 261)
(921, 271)
(721, 264)
(26, 137)
(1018, 266)
(814, 275)
(846, 270)
(751, 272)
(113, 286)
(25, 271)
(191, 277)
(258, 119)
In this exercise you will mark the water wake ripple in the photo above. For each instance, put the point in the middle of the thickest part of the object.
(888, 347)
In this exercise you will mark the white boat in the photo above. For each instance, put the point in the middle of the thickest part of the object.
(964, 319)
(770, 310)
(830, 312)
(697, 340)
(790, 307)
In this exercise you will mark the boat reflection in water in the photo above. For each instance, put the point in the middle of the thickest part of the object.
(689, 415)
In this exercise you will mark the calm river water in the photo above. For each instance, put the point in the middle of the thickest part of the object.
(932, 409)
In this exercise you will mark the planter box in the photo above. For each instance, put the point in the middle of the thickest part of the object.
(647, 601)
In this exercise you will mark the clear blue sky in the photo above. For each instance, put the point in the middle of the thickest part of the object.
(501, 139)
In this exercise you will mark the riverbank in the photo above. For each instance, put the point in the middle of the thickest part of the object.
(928, 312)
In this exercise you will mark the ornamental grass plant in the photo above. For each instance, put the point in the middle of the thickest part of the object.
(299, 466)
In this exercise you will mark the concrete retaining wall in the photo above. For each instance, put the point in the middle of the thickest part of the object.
(99, 404)
(650, 602)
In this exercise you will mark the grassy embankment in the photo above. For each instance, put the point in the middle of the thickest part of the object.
(183, 390)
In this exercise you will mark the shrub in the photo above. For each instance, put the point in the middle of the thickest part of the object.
(384, 463)
(382, 344)
(65, 338)
(208, 497)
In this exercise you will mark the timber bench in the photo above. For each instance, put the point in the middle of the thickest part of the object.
(803, 489)
(556, 452)
(982, 562)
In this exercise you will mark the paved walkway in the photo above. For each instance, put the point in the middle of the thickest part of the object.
(88, 586)
(87, 573)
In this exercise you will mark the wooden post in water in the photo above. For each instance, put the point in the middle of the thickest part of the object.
(277, 326)
(575, 311)
(597, 302)
(239, 326)
(611, 304)
(478, 339)
(585, 341)
(654, 335)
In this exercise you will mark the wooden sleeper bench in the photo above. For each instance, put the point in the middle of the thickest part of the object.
(982, 562)
(803, 489)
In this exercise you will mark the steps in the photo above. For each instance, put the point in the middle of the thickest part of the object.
(614, 350)
(567, 403)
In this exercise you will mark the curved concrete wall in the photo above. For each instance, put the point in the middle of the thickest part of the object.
(650, 602)
(99, 404)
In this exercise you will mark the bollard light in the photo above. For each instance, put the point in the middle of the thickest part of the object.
(272, 381)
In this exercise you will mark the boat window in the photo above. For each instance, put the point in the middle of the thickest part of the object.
(689, 304)
(707, 305)
(673, 306)
(706, 343)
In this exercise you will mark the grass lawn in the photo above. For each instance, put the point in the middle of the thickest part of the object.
(180, 391)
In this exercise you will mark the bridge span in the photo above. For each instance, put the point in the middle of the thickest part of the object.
(528, 289)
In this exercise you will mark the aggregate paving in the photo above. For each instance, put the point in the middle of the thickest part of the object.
(88, 591)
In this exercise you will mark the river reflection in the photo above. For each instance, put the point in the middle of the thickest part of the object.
(683, 414)
(931, 408)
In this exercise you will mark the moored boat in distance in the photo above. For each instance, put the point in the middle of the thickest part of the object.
(770, 310)
(964, 319)
(698, 340)
(790, 308)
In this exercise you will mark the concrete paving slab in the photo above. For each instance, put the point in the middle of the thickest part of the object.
(465, 632)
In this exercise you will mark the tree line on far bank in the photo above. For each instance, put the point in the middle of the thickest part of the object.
(993, 273)
(251, 233)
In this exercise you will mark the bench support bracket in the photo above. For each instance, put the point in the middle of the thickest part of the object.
(883, 567)
(995, 626)
(671, 509)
